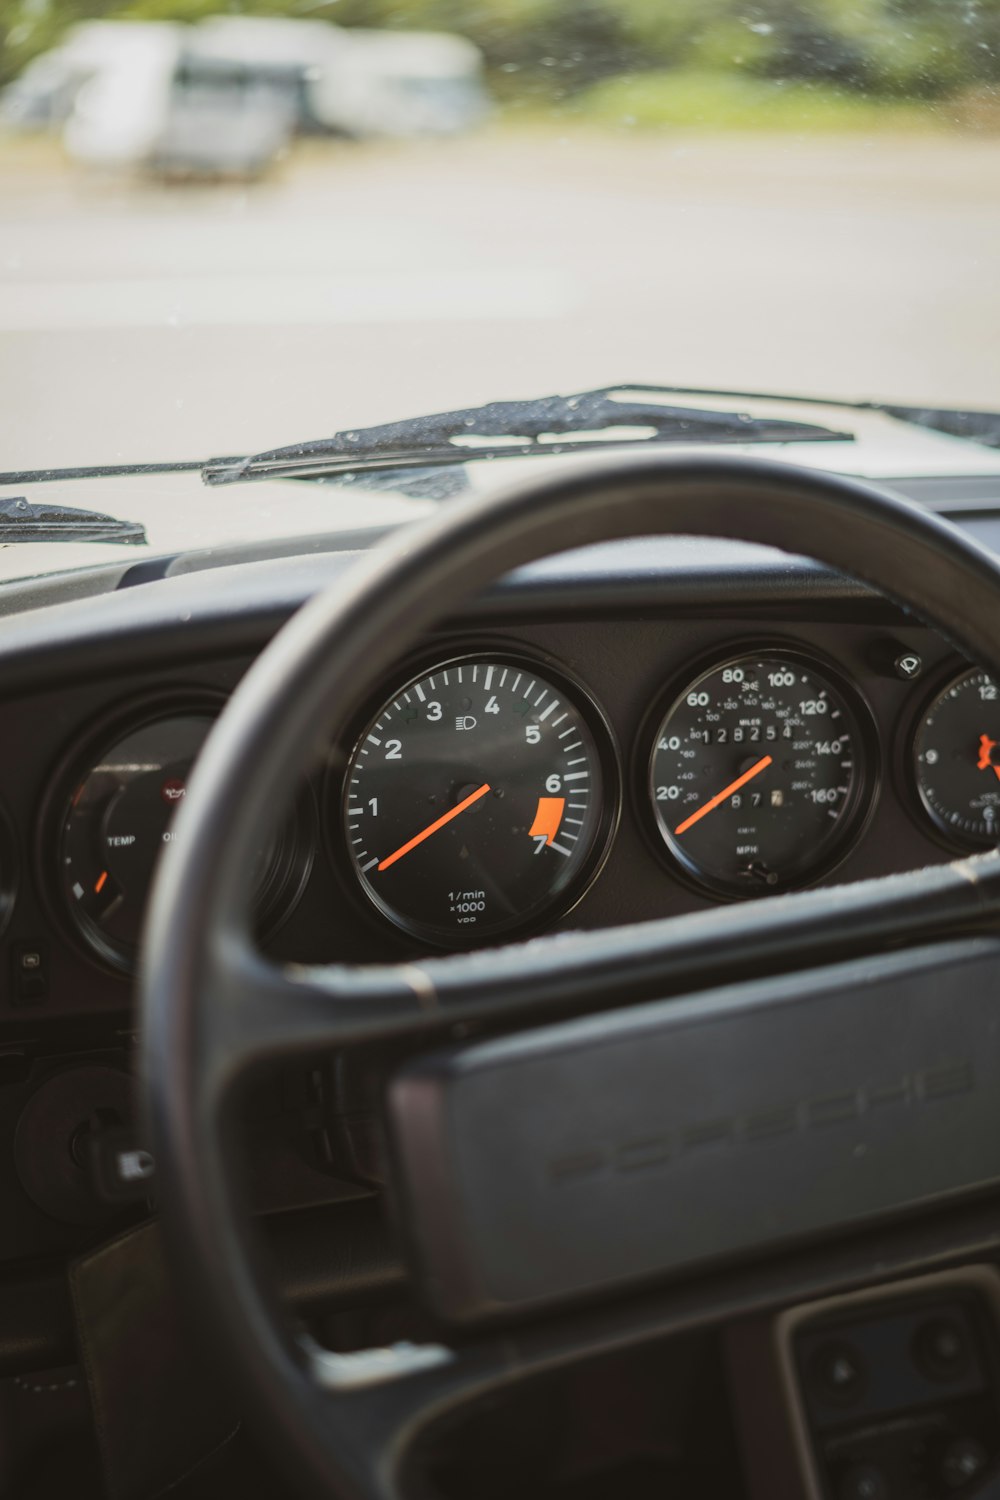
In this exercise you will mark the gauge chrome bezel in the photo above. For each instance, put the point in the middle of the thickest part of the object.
(920, 810)
(77, 763)
(381, 916)
(851, 823)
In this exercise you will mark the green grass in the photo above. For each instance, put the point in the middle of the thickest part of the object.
(734, 101)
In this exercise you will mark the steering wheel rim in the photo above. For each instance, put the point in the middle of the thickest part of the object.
(212, 1007)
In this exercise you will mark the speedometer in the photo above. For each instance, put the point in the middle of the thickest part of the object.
(479, 799)
(756, 774)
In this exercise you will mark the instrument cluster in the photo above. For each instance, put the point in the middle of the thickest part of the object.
(480, 795)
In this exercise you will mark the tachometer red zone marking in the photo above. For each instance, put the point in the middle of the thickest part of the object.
(547, 818)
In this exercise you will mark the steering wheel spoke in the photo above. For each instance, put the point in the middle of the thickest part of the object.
(263, 1010)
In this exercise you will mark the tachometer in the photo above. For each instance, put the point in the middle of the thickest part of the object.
(756, 774)
(956, 760)
(477, 801)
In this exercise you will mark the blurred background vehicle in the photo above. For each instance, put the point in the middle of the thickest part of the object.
(384, 83)
(101, 69)
(223, 98)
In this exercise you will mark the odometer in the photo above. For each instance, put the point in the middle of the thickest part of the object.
(476, 800)
(756, 774)
(956, 760)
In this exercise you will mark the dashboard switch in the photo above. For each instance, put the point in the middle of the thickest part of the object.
(30, 976)
(964, 1462)
(891, 659)
(838, 1373)
(864, 1482)
(941, 1349)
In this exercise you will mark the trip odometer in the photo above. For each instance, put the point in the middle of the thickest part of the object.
(476, 800)
(756, 774)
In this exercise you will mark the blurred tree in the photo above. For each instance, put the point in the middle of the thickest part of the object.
(897, 48)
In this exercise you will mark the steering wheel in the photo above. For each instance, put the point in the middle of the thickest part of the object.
(519, 1272)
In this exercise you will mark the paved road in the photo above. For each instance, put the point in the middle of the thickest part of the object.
(362, 284)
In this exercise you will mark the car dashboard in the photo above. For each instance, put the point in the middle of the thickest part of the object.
(680, 666)
(616, 686)
(620, 734)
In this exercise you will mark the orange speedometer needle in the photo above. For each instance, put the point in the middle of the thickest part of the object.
(425, 833)
(727, 791)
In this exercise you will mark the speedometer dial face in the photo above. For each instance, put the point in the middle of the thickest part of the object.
(956, 760)
(756, 774)
(476, 800)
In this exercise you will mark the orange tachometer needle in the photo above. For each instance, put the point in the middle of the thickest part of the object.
(425, 833)
(727, 791)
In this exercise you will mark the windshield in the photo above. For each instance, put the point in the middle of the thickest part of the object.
(224, 230)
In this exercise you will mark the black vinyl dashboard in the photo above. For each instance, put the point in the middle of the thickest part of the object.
(650, 647)
(654, 649)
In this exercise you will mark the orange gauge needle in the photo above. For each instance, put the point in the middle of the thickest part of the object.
(986, 749)
(727, 791)
(425, 833)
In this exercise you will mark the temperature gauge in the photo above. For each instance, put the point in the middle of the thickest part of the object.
(119, 819)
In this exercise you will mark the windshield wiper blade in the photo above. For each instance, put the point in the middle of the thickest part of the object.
(22, 520)
(513, 429)
(982, 427)
(106, 471)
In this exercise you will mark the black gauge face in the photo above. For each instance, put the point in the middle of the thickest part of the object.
(956, 760)
(756, 774)
(475, 801)
(119, 819)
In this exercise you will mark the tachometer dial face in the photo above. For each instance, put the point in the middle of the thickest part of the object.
(756, 774)
(476, 800)
(956, 760)
(118, 820)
